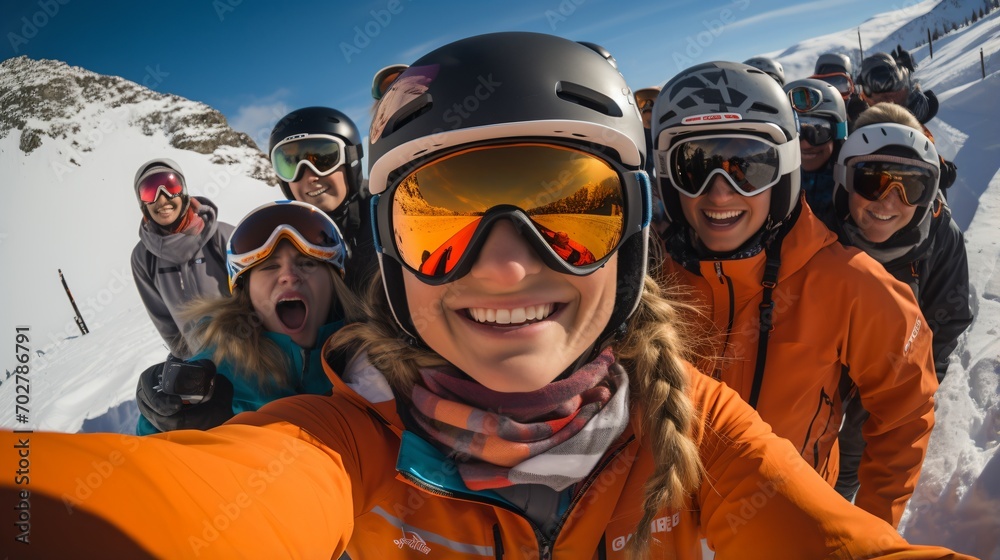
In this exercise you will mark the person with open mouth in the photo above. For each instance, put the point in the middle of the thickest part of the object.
(796, 316)
(286, 267)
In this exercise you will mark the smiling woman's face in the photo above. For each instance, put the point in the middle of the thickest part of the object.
(512, 323)
(878, 220)
(724, 219)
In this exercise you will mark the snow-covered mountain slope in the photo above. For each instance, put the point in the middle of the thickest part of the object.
(70, 144)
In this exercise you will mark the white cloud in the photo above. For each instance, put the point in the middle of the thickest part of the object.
(258, 117)
(808, 7)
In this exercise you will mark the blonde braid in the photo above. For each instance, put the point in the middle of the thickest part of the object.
(653, 352)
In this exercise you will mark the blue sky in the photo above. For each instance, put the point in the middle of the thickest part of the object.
(254, 60)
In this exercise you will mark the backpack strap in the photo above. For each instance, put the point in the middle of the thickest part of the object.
(769, 282)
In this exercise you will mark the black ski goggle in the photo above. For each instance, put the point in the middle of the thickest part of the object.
(818, 130)
(574, 207)
(874, 179)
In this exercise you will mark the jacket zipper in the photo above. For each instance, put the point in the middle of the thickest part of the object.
(300, 382)
(723, 279)
(497, 542)
(544, 544)
(824, 399)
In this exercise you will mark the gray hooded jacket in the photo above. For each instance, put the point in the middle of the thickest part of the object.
(171, 270)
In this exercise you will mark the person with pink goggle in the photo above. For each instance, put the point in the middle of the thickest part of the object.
(181, 254)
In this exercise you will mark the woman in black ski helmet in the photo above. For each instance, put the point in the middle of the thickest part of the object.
(316, 153)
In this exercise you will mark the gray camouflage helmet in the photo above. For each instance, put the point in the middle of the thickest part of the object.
(725, 97)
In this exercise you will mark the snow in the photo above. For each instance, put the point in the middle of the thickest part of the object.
(68, 205)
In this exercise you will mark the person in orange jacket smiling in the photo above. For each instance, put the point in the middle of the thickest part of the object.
(512, 405)
(800, 317)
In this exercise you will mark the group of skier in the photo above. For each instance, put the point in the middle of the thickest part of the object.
(772, 278)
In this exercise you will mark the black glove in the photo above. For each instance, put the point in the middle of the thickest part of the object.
(903, 58)
(949, 172)
(168, 412)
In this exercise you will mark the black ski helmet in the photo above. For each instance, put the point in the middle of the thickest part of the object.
(322, 120)
(158, 165)
(879, 74)
(724, 97)
(500, 86)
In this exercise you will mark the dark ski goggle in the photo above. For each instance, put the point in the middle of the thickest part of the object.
(320, 152)
(873, 177)
(308, 228)
(882, 79)
(818, 130)
(574, 207)
(839, 80)
(150, 187)
(750, 163)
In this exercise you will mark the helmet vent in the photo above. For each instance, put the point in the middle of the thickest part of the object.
(764, 108)
(591, 99)
(407, 113)
(668, 116)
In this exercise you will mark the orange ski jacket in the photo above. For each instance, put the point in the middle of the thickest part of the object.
(838, 317)
(310, 476)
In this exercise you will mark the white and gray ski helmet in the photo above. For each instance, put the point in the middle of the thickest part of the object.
(724, 97)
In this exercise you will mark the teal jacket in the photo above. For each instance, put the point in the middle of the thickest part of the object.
(306, 375)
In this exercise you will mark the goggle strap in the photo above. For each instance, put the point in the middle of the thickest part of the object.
(646, 188)
(841, 130)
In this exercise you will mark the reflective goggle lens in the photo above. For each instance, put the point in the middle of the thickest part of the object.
(752, 164)
(874, 180)
(839, 80)
(573, 199)
(805, 98)
(816, 130)
(311, 231)
(150, 187)
(324, 154)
